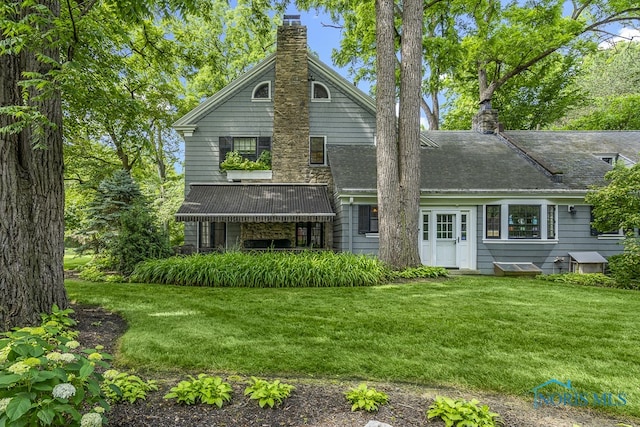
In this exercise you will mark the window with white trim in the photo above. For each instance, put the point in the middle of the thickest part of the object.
(520, 221)
(320, 92)
(262, 92)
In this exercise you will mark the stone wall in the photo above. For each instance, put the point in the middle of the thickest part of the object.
(268, 231)
(486, 121)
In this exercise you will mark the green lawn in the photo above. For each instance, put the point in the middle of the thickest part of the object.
(72, 260)
(500, 334)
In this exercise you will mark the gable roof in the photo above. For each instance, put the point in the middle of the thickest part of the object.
(193, 116)
(254, 202)
(189, 122)
(471, 162)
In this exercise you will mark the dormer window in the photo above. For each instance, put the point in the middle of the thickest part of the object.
(320, 92)
(262, 92)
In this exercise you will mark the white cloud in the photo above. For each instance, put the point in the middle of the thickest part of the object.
(625, 34)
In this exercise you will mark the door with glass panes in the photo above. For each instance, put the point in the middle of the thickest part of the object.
(445, 238)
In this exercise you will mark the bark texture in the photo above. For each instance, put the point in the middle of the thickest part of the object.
(398, 153)
(386, 136)
(31, 197)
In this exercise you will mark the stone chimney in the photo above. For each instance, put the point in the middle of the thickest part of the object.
(290, 145)
(486, 121)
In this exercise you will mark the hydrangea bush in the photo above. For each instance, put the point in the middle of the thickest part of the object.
(47, 379)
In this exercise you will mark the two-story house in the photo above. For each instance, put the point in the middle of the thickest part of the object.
(487, 196)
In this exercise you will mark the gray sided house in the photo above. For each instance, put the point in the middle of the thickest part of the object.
(487, 196)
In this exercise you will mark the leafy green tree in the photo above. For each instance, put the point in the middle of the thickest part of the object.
(504, 41)
(617, 206)
(611, 81)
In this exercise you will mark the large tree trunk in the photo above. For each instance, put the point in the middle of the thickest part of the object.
(409, 133)
(398, 154)
(31, 198)
(386, 136)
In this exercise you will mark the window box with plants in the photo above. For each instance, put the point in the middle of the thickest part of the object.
(238, 167)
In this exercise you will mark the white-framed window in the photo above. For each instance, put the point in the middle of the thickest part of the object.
(367, 219)
(520, 221)
(317, 150)
(320, 92)
(261, 92)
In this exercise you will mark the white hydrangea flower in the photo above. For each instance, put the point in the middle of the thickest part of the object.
(4, 403)
(94, 356)
(110, 374)
(54, 356)
(4, 353)
(91, 419)
(73, 344)
(64, 391)
(19, 368)
(67, 357)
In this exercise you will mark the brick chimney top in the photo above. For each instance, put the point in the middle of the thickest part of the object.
(290, 20)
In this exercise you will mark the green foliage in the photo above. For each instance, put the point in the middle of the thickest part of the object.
(268, 393)
(92, 273)
(590, 279)
(610, 77)
(46, 379)
(138, 239)
(235, 161)
(617, 206)
(204, 389)
(264, 269)
(462, 413)
(625, 267)
(423, 272)
(122, 227)
(365, 398)
(123, 387)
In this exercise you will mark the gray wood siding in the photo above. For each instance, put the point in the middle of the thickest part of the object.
(574, 235)
(341, 120)
(340, 230)
(237, 116)
(361, 243)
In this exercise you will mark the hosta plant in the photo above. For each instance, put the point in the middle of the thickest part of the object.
(463, 413)
(46, 379)
(123, 387)
(268, 393)
(365, 398)
(204, 389)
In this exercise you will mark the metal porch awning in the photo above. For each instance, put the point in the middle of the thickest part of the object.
(256, 202)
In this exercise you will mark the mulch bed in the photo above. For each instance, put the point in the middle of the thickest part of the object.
(318, 403)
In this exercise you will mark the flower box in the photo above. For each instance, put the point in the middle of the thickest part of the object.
(239, 175)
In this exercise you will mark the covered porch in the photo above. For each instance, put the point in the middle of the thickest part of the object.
(257, 216)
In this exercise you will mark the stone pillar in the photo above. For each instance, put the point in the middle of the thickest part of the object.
(290, 145)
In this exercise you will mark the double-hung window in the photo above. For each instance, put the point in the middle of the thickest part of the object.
(520, 221)
(249, 147)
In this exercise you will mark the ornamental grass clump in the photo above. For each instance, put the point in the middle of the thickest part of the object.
(265, 270)
(47, 379)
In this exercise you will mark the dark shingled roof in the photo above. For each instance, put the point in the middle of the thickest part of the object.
(467, 161)
(256, 203)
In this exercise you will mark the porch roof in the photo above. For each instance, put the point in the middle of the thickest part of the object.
(244, 202)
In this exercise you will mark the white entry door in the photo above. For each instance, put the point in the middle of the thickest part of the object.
(446, 238)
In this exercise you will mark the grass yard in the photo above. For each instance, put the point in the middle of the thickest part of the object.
(501, 334)
(73, 261)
